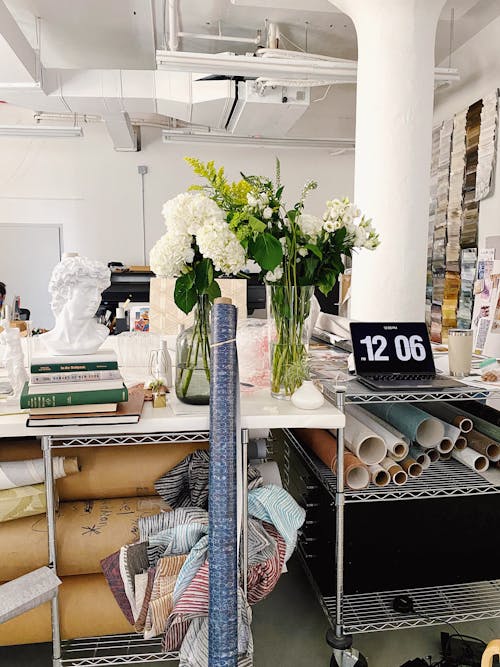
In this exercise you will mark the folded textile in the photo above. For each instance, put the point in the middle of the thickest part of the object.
(111, 569)
(263, 576)
(133, 560)
(196, 558)
(143, 589)
(22, 501)
(151, 525)
(162, 596)
(276, 506)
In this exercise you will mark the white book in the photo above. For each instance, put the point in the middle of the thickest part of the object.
(74, 376)
(68, 387)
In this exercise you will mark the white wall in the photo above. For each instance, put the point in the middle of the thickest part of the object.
(94, 192)
(478, 62)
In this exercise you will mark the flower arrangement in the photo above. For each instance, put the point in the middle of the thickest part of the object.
(197, 247)
(296, 252)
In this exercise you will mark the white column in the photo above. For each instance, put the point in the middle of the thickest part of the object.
(395, 91)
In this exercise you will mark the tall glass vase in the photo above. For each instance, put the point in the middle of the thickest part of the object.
(192, 376)
(287, 310)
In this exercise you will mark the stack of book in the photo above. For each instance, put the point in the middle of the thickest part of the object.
(65, 391)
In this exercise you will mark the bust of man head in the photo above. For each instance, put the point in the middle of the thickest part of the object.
(75, 287)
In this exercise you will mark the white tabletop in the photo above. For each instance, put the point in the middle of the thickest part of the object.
(258, 410)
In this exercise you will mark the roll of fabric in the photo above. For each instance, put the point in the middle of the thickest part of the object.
(363, 442)
(22, 501)
(484, 445)
(24, 473)
(472, 459)
(100, 476)
(86, 532)
(421, 456)
(481, 410)
(450, 414)
(324, 445)
(222, 506)
(394, 440)
(414, 423)
(398, 475)
(87, 609)
(378, 475)
(411, 467)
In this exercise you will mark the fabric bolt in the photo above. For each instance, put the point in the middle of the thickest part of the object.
(22, 501)
(196, 558)
(274, 505)
(187, 483)
(144, 590)
(111, 569)
(263, 577)
(24, 473)
(162, 596)
(223, 502)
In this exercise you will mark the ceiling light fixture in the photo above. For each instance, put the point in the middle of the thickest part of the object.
(184, 137)
(41, 131)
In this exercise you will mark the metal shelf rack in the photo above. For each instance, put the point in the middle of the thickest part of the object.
(129, 649)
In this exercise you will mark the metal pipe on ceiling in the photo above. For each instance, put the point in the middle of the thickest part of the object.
(173, 25)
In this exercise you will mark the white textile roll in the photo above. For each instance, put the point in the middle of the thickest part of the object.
(471, 459)
(26, 473)
(378, 475)
(395, 441)
(363, 442)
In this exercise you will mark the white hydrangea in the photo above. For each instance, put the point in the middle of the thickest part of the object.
(170, 254)
(310, 226)
(274, 276)
(341, 214)
(217, 242)
(189, 211)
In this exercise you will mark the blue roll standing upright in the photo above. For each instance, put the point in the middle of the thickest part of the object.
(222, 507)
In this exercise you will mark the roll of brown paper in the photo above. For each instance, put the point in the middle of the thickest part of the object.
(484, 445)
(324, 445)
(86, 532)
(411, 467)
(398, 475)
(87, 609)
(108, 472)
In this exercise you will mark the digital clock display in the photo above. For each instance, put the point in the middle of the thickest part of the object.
(391, 347)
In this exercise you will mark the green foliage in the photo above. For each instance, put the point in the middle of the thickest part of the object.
(266, 251)
(204, 275)
(185, 294)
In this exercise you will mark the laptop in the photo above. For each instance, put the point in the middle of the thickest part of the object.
(396, 356)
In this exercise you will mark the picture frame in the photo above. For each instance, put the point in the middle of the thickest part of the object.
(139, 317)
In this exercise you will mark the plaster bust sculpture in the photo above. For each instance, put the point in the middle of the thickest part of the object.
(75, 286)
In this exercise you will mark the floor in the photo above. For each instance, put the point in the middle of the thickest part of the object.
(289, 629)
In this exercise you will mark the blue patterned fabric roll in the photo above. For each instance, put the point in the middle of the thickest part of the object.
(222, 505)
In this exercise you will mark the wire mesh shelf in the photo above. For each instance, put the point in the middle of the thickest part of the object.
(128, 439)
(373, 612)
(444, 479)
(129, 649)
(356, 392)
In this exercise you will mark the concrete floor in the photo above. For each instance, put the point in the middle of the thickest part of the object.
(289, 629)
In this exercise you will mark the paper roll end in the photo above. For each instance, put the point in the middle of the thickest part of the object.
(223, 299)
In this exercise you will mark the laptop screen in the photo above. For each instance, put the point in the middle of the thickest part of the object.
(391, 347)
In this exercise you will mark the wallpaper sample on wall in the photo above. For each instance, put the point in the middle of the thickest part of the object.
(463, 160)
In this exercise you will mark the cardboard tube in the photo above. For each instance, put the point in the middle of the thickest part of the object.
(108, 472)
(472, 459)
(421, 456)
(445, 456)
(87, 609)
(70, 465)
(414, 423)
(411, 467)
(433, 454)
(395, 442)
(379, 476)
(461, 442)
(484, 445)
(398, 475)
(324, 445)
(450, 414)
(86, 532)
(445, 446)
(363, 442)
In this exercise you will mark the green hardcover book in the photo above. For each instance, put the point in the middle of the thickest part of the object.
(54, 400)
(103, 360)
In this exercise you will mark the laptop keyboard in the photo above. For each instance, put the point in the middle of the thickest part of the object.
(398, 377)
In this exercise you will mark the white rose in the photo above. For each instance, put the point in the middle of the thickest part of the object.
(303, 252)
(329, 226)
(252, 201)
(267, 213)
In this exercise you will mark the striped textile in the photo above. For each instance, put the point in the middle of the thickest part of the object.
(133, 560)
(263, 576)
(152, 525)
(196, 558)
(144, 589)
(178, 540)
(261, 545)
(111, 569)
(187, 483)
(162, 596)
(274, 505)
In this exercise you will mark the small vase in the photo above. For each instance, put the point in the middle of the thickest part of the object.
(308, 396)
(288, 309)
(192, 377)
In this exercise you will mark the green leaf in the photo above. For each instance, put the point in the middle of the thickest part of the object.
(266, 251)
(279, 192)
(314, 249)
(204, 275)
(257, 225)
(327, 281)
(185, 294)
(291, 215)
(213, 291)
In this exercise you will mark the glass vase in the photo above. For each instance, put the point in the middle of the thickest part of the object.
(192, 376)
(287, 310)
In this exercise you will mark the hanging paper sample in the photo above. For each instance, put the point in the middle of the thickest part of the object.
(432, 219)
(487, 145)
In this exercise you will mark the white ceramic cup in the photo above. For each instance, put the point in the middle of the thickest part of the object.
(460, 352)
